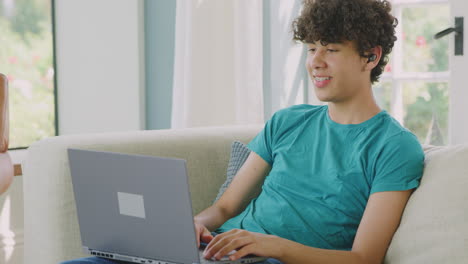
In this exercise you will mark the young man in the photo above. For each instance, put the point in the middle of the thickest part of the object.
(334, 179)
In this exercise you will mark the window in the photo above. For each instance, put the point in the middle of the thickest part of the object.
(414, 87)
(27, 60)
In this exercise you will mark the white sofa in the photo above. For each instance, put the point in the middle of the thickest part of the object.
(434, 227)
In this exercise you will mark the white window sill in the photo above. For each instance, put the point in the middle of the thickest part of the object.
(18, 155)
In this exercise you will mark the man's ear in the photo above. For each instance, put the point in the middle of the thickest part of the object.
(373, 56)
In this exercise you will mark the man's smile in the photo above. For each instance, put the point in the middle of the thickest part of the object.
(321, 81)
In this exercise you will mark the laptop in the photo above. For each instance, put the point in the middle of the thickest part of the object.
(136, 208)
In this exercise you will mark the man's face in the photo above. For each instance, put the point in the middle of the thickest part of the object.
(337, 71)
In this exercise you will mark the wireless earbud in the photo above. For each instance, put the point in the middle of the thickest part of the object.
(371, 57)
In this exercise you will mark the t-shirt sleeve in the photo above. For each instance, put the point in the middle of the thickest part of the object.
(262, 144)
(399, 164)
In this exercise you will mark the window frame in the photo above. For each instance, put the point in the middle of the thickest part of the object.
(398, 76)
(54, 66)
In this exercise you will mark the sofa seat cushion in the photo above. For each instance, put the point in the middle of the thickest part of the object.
(434, 225)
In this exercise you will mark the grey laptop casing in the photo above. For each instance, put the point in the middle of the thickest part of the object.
(135, 208)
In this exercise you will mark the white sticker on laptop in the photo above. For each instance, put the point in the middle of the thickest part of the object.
(131, 204)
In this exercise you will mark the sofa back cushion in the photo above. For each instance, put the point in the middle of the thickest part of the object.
(434, 225)
(239, 154)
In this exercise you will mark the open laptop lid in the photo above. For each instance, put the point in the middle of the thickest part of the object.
(134, 205)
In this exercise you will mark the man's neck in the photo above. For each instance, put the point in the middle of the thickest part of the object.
(354, 112)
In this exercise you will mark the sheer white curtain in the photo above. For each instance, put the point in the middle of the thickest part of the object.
(218, 63)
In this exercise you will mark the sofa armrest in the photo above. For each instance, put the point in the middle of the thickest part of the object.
(51, 225)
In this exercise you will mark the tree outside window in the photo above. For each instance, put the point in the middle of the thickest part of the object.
(27, 61)
(415, 85)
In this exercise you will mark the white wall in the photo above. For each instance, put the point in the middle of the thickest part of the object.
(458, 130)
(100, 80)
(212, 64)
(289, 83)
(11, 224)
(100, 66)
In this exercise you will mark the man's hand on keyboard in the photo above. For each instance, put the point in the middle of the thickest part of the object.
(203, 234)
(244, 242)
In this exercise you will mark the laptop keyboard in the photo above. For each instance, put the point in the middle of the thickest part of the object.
(203, 260)
(225, 260)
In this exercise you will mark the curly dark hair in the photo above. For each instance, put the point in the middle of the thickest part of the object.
(367, 22)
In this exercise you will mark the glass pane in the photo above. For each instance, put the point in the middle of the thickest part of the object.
(27, 61)
(383, 95)
(388, 67)
(421, 52)
(426, 111)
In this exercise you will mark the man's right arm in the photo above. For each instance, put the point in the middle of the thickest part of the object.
(244, 187)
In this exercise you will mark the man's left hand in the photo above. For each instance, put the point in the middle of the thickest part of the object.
(245, 243)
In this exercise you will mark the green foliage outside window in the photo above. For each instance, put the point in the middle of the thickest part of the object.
(27, 61)
(427, 111)
(427, 115)
(421, 52)
(425, 103)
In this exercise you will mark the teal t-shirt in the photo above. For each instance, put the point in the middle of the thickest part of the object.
(323, 174)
